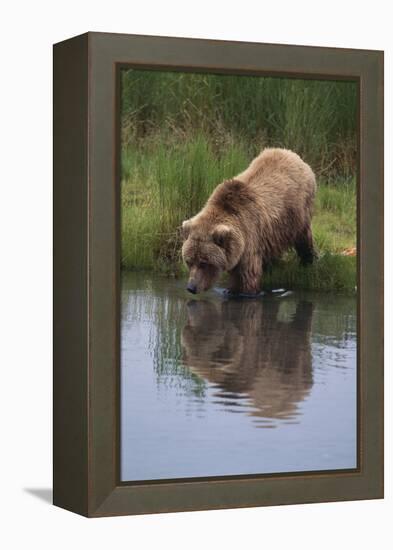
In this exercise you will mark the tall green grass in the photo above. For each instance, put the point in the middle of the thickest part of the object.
(182, 134)
(315, 118)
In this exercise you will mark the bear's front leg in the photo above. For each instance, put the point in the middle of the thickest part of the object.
(235, 284)
(246, 278)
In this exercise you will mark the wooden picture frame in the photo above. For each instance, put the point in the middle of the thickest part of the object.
(86, 274)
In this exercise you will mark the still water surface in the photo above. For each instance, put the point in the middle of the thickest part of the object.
(214, 386)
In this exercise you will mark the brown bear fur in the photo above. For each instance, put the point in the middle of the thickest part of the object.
(249, 221)
(237, 345)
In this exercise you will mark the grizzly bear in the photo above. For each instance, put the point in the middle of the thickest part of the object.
(243, 361)
(250, 220)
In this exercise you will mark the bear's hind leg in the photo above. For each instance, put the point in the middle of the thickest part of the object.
(304, 246)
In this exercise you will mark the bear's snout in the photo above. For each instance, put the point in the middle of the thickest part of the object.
(191, 287)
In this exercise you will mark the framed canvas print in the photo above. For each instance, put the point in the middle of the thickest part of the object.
(218, 274)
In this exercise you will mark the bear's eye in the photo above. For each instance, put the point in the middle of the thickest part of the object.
(203, 265)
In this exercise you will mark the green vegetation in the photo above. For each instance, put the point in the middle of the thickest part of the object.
(330, 272)
(182, 134)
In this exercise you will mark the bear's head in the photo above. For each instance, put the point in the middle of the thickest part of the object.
(208, 250)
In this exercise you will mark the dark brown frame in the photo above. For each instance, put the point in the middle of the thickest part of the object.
(87, 267)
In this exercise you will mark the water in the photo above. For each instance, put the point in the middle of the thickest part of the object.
(214, 386)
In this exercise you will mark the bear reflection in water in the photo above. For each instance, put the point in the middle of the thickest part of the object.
(257, 359)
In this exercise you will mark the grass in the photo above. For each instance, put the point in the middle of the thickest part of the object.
(330, 272)
(182, 134)
(315, 118)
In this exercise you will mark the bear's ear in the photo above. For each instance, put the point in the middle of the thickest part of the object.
(185, 228)
(222, 235)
